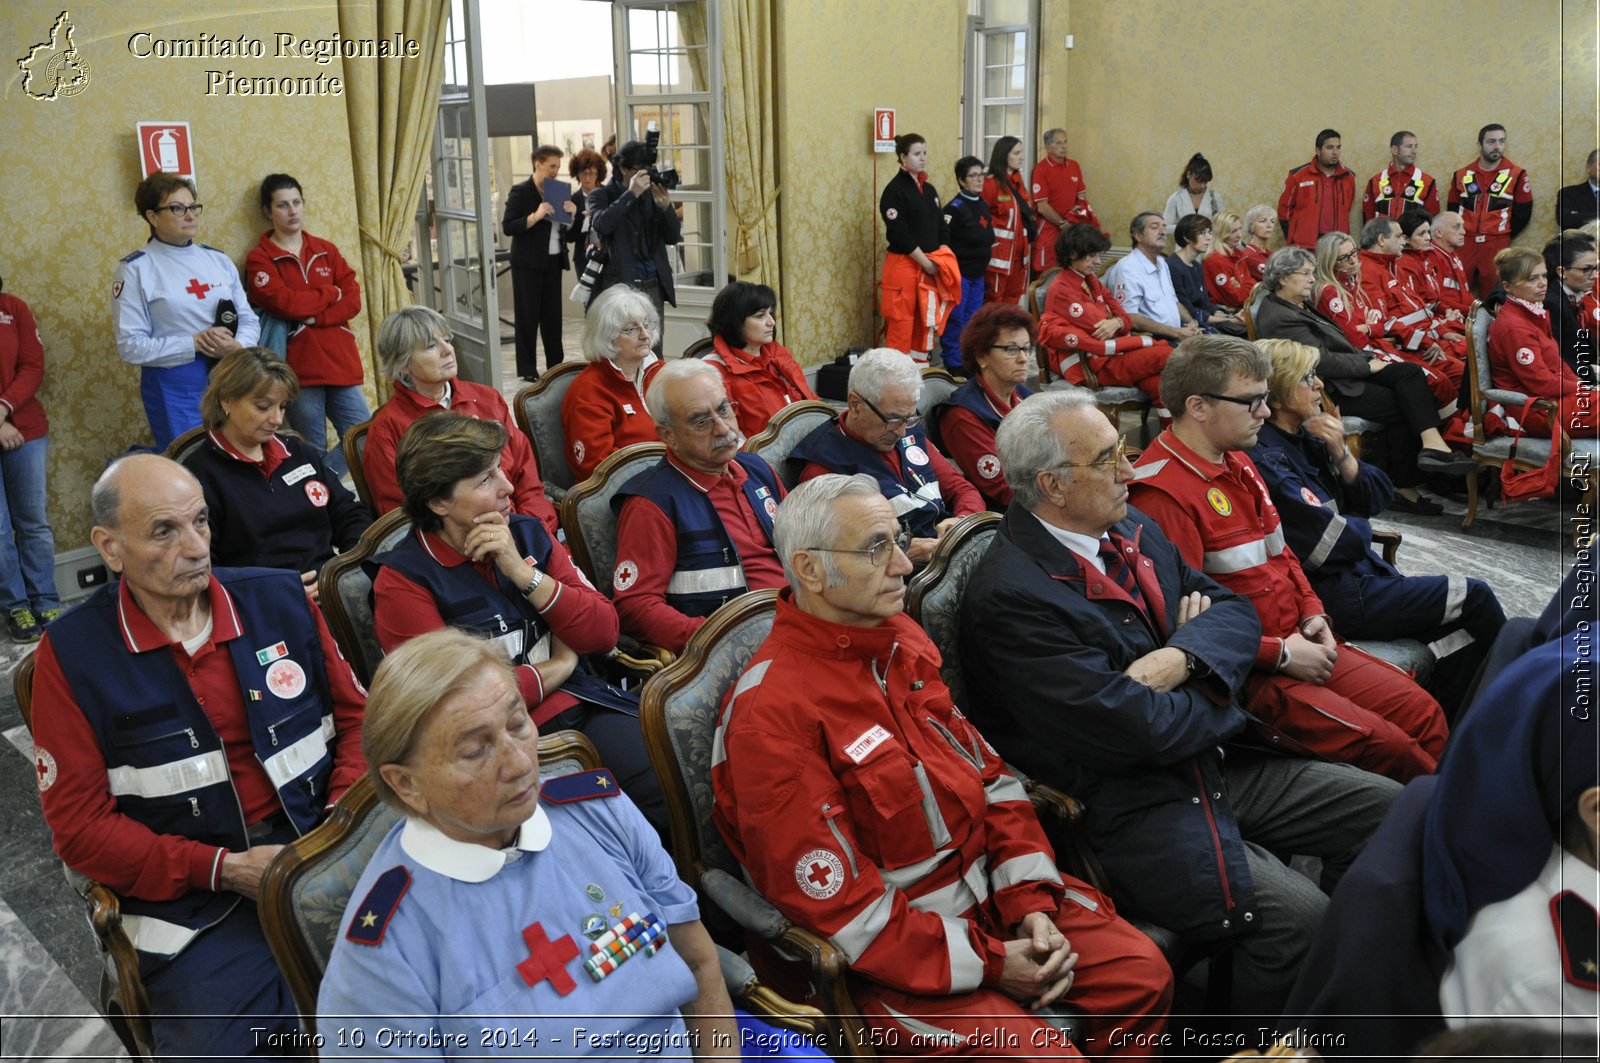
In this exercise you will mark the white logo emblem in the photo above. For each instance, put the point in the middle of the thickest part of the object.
(772, 506)
(44, 766)
(1076, 309)
(1222, 280)
(866, 742)
(317, 492)
(261, 278)
(1336, 305)
(891, 214)
(577, 451)
(1072, 339)
(988, 466)
(116, 289)
(1524, 355)
(820, 874)
(626, 575)
(286, 679)
(916, 455)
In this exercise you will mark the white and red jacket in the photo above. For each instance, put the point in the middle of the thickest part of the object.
(1228, 279)
(882, 821)
(1492, 202)
(317, 293)
(1454, 293)
(1393, 190)
(1405, 316)
(1009, 252)
(1074, 305)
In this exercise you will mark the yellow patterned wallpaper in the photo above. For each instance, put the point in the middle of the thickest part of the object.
(1255, 83)
(71, 164)
(836, 61)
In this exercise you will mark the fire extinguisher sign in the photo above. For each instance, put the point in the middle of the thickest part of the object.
(165, 147)
(882, 129)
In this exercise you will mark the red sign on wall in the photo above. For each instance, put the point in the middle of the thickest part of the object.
(165, 147)
(883, 129)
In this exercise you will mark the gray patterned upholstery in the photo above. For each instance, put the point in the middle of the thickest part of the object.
(597, 522)
(1585, 452)
(1356, 426)
(784, 432)
(351, 592)
(690, 713)
(939, 612)
(1480, 346)
(936, 387)
(538, 414)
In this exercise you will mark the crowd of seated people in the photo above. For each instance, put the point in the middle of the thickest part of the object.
(1164, 638)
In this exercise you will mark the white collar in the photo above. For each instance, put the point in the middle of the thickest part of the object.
(1085, 546)
(467, 861)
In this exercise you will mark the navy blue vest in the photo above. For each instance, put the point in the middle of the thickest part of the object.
(971, 396)
(708, 572)
(165, 765)
(501, 611)
(915, 495)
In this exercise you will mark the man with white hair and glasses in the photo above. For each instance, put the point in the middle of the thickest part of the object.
(863, 804)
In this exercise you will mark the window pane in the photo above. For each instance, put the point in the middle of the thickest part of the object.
(685, 138)
(692, 260)
(1007, 12)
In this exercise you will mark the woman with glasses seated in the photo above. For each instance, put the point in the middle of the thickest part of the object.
(1366, 384)
(1324, 495)
(473, 564)
(1082, 319)
(998, 342)
(414, 351)
(1525, 357)
(759, 373)
(1572, 264)
(604, 409)
(179, 305)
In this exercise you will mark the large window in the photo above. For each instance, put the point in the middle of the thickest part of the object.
(1002, 74)
(669, 74)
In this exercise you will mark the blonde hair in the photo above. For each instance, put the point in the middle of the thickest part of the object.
(1328, 264)
(1516, 264)
(245, 373)
(1222, 222)
(412, 683)
(1290, 362)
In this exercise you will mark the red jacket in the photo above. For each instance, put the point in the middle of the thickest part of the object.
(474, 400)
(1414, 270)
(1454, 294)
(1350, 313)
(1314, 203)
(1486, 199)
(1525, 357)
(1061, 185)
(1405, 317)
(1252, 264)
(1221, 518)
(21, 368)
(1393, 190)
(759, 386)
(837, 805)
(319, 291)
(1010, 249)
(1228, 279)
(1075, 304)
(603, 412)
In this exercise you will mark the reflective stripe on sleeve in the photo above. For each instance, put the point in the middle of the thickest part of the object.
(857, 936)
(166, 780)
(1006, 788)
(1455, 596)
(1034, 867)
(958, 897)
(1236, 558)
(966, 966)
(705, 580)
(1325, 545)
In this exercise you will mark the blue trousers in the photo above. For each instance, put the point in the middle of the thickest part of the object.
(172, 397)
(315, 406)
(27, 548)
(950, 338)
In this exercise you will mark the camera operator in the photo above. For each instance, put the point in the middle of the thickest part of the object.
(634, 221)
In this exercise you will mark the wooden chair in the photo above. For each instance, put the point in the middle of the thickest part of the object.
(123, 1001)
(1251, 308)
(306, 887)
(700, 347)
(346, 593)
(1033, 299)
(355, 450)
(186, 444)
(537, 409)
(784, 432)
(1579, 456)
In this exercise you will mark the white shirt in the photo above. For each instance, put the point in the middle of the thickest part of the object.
(1509, 962)
(1085, 546)
(1145, 288)
(163, 295)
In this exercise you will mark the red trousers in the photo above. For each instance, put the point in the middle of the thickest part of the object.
(1369, 713)
(1006, 287)
(1133, 366)
(897, 300)
(1478, 260)
(1121, 982)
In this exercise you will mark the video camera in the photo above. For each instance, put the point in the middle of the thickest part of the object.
(667, 177)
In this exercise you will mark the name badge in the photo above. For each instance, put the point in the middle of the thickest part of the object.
(869, 740)
(292, 478)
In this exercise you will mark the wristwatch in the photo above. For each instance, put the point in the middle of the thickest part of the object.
(538, 578)
(1197, 667)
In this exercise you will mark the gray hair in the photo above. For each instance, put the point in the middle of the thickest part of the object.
(612, 311)
(1282, 262)
(882, 368)
(1445, 216)
(402, 334)
(1376, 230)
(1052, 135)
(1136, 226)
(808, 519)
(1260, 210)
(655, 396)
(1028, 444)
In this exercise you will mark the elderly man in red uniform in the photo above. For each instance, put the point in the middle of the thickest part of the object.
(187, 724)
(1317, 195)
(1407, 321)
(694, 532)
(863, 804)
(1449, 235)
(1060, 196)
(1402, 185)
(1495, 198)
(1322, 696)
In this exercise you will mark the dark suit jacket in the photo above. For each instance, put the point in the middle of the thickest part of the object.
(1577, 342)
(530, 247)
(1341, 367)
(629, 228)
(1576, 206)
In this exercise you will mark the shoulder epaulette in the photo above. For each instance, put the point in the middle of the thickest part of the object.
(136, 254)
(581, 786)
(1578, 936)
(372, 917)
(208, 247)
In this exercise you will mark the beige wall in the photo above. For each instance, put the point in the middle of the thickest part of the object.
(836, 61)
(69, 169)
(1134, 117)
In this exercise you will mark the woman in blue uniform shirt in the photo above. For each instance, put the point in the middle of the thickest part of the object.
(479, 908)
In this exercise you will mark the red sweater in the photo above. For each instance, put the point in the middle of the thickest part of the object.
(317, 290)
(21, 368)
(1228, 279)
(1524, 356)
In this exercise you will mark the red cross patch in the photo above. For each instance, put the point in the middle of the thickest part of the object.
(1072, 339)
(197, 289)
(317, 492)
(44, 767)
(116, 289)
(626, 575)
(988, 466)
(820, 874)
(286, 679)
(1336, 305)
(891, 214)
(1525, 355)
(261, 278)
(1076, 309)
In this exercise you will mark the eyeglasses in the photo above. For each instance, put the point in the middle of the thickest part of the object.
(1585, 269)
(180, 209)
(895, 423)
(1349, 256)
(1251, 402)
(635, 329)
(1015, 350)
(878, 553)
(1119, 454)
(1308, 274)
(1309, 380)
(702, 423)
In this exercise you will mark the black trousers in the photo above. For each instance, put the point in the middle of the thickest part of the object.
(1397, 396)
(536, 294)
